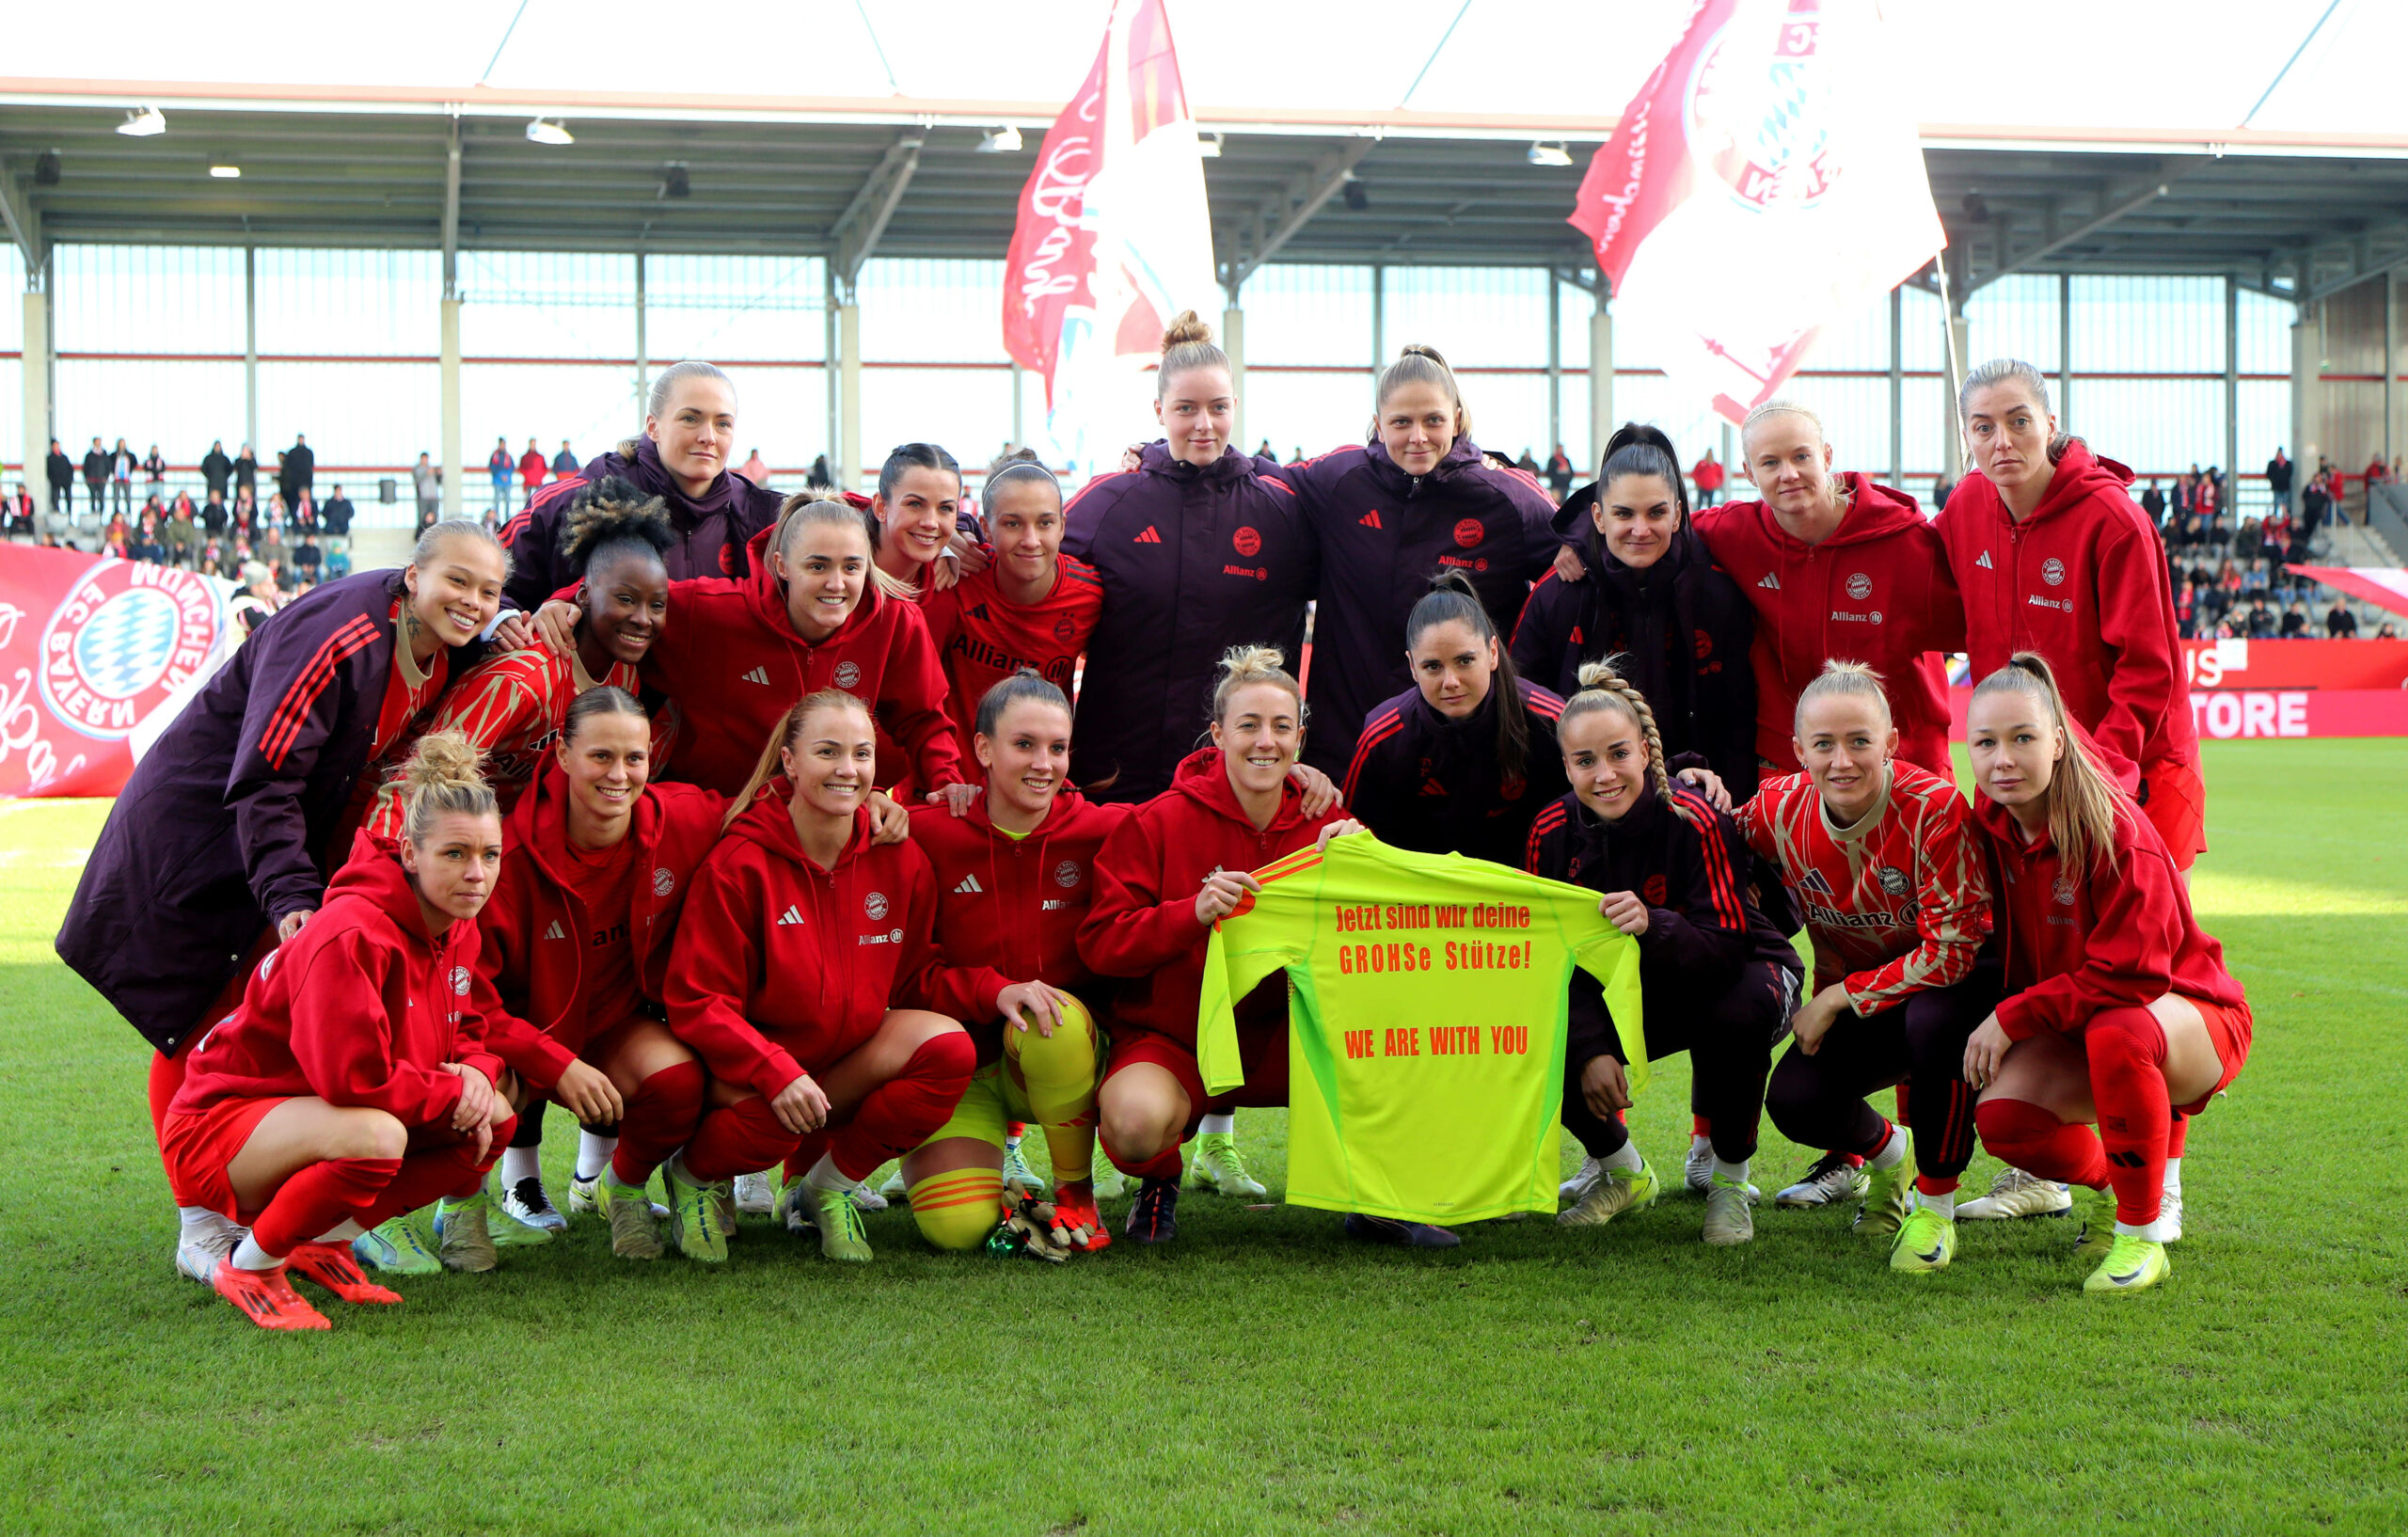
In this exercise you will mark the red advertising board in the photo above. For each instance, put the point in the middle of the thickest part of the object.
(2241, 690)
(2296, 664)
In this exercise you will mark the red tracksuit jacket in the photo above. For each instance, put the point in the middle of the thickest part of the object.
(536, 930)
(730, 660)
(2121, 937)
(1143, 924)
(1008, 910)
(779, 967)
(361, 1009)
(1878, 590)
(2081, 581)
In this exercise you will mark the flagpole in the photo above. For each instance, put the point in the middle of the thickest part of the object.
(1951, 440)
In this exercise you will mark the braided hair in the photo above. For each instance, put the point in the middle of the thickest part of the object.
(1603, 688)
(612, 519)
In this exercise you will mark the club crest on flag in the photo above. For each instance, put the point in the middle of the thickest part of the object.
(1764, 183)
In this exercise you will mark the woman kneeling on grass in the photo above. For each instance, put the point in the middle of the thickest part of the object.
(2120, 1009)
(1720, 978)
(801, 939)
(1883, 858)
(354, 1082)
(576, 945)
(1015, 874)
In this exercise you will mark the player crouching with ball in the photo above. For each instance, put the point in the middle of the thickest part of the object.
(1720, 979)
(2119, 1010)
(353, 1082)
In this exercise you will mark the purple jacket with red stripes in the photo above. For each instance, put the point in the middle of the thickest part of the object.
(223, 824)
(1425, 782)
(1384, 534)
(1711, 908)
(1194, 561)
(712, 528)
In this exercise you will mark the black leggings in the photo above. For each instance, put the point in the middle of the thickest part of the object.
(1818, 1100)
(1728, 1034)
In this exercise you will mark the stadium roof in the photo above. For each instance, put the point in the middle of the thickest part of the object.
(2126, 155)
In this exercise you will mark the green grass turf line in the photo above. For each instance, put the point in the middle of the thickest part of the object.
(1262, 1375)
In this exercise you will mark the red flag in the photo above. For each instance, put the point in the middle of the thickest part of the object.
(1763, 183)
(96, 656)
(1113, 236)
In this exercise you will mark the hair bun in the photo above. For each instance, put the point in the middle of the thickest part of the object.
(1186, 330)
(1599, 674)
(1423, 349)
(441, 758)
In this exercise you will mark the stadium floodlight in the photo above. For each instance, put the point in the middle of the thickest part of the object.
(1209, 145)
(1000, 141)
(1549, 154)
(548, 130)
(224, 170)
(143, 122)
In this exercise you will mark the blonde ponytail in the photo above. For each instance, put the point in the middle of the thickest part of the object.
(1842, 679)
(2084, 799)
(1603, 688)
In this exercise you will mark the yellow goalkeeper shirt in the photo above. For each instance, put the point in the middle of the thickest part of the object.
(1426, 1005)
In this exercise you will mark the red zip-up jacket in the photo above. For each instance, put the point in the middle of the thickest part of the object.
(983, 637)
(361, 1008)
(2120, 937)
(781, 968)
(1143, 924)
(1008, 910)
(2083, 581)
(532, 957)
(1878, 590)
(732, 662)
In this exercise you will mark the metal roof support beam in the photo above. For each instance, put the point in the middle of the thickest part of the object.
(2058, 240)
(452, 211)
(1281, 215)
(856, 231)
(25, 223)
(2363, 263)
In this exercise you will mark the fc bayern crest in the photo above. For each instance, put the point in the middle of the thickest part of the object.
(847, 673)
(1066, 875)
(663, 882)
(2053, 571)
(1860, 587)
(1893, 879)
(1246, 542)
(875, 905)
(126, 639)
(460, 980)
(1759, 121)
(2063, 890)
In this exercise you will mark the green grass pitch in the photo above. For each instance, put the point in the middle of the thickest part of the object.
(1262, 1375)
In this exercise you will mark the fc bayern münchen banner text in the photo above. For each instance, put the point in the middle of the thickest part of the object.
(96, 657)
(1765, 182)
(1113, 236)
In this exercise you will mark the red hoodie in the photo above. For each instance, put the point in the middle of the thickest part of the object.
(732, 662)
(538, 939)
(1143, 924)
(2081, 581)
(1008, 910)
(1878, 590)
(781, 968)
(2122, 937)
(361, 1008)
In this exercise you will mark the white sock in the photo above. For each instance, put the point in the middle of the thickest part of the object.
(593, 1153)
(2174, 1177)
(2160, 1231)
(1737, 1173)
(1945, 1205)
(1893, 1151)
(249, 1256)
(676, 1170)
(1223, 1125)
(521, 1163)
(823, 1175)
(341, 1232)
(1624, 1157)
(198, 1223)
(1699, 1143)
